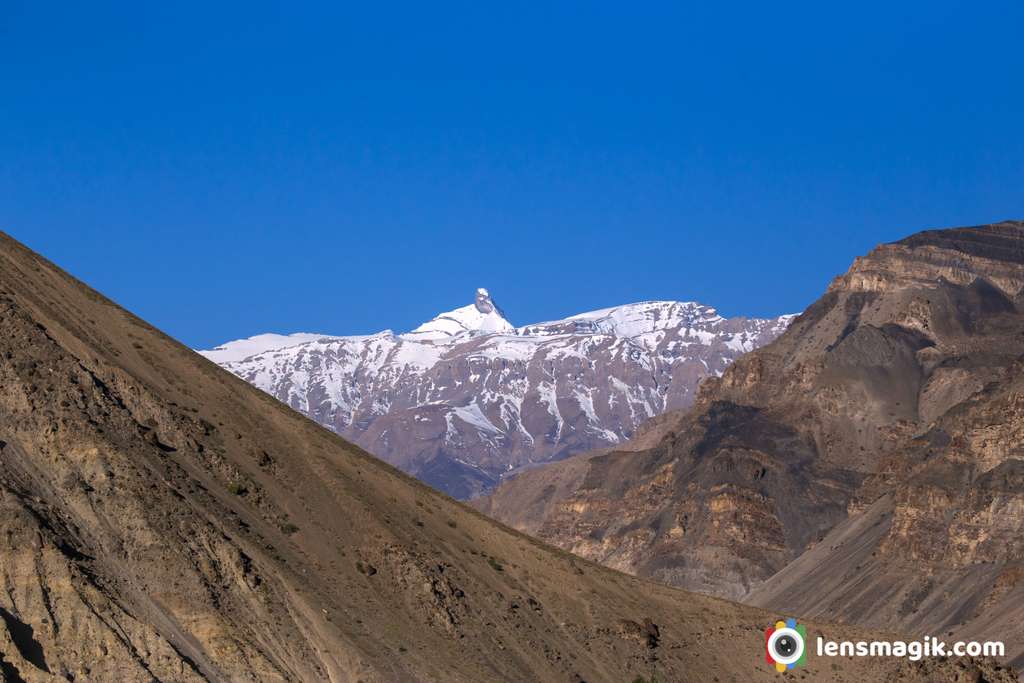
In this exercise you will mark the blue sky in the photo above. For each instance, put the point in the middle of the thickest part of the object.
(224, 169)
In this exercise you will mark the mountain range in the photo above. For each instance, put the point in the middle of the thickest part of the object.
(866, 467)
(467, 398)
(162, 520)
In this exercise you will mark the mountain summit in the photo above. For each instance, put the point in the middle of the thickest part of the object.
(484, 303)
(480, 317)
(466, 398)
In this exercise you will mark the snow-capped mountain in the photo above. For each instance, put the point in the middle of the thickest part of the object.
(467, 397)
(483, 315)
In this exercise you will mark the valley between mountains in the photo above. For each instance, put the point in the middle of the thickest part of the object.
(163, 520)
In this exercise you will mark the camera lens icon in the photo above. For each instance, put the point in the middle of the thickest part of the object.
(784, 644)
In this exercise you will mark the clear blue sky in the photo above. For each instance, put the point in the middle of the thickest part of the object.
(225, 169)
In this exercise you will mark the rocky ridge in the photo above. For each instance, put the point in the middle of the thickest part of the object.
(866, 466)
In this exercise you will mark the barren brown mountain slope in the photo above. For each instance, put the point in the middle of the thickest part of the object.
(887, 420)
(161, 520)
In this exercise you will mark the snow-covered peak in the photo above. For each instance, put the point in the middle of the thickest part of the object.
(648, 316)
(480, 317)
(483, 302)
(261, 343)
(631, 320)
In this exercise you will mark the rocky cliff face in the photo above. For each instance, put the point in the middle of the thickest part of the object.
(161, 520)
(466, 398)
(866, 465)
